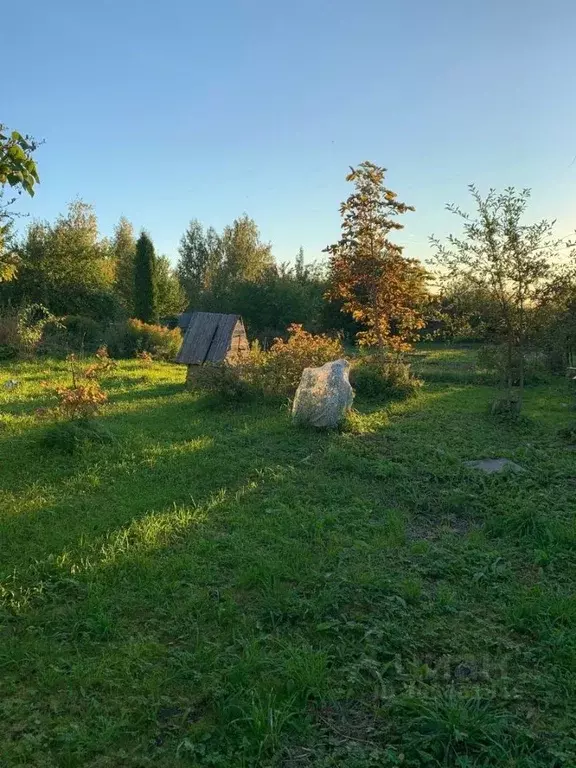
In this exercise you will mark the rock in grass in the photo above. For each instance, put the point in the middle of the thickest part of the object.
(492, 466)
(324, 395)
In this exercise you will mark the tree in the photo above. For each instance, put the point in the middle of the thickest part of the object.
(299, 267)
(276, 300)
(244, 256)
(462, 311)
(554, 322)
(376, 284)
(194, 261)
(508, 260)
(66, 266)
(211, 266)
(145, 291)
(17, 171)
(171, 298)
(124, 253)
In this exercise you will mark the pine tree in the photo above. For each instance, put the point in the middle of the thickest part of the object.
(145, 293)
(369, 274)
(299, 268)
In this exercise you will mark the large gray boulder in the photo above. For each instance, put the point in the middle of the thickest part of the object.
(324, 395)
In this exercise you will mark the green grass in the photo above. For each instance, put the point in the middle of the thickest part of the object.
(217, 588)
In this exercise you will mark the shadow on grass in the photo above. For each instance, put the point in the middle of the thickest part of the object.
(175, 452)
(150, 393)
(169, 453)
(181, 566)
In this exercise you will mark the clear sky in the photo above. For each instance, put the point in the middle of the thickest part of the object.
(165, 111)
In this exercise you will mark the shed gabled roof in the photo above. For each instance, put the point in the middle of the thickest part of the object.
(208, 338)
(184, 319)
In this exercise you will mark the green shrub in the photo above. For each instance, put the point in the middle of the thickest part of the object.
(9, 336)
(74, 333)
(21, 330)
(68, 437)
(278, 371)
(223, 384)
(374, 377)
(275, 373)
(127, 339)
(86, 301)
(84, 330)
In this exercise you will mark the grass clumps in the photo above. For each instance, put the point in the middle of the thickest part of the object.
(568, 434)
(222, 385)
(71, 436)
(457, 728)
(376, 377)
(220, 589)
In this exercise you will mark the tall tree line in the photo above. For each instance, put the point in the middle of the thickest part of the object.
(69, 268)
(235, 271)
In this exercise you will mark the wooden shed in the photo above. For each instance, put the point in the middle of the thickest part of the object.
(184, 320)
(214, 338)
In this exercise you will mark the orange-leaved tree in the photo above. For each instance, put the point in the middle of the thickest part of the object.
(369, 274)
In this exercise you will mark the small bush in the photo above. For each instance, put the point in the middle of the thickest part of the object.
(21, 330)
(127, 339)
(83, 332)
(70, 436)
(84, 398)
(278, 371)
(74, 333)
(145, 358)
(375, 377)
(102, 365)
(506, 408)
(80, 401)
(275, 373)
(224, 384)
(9, 336)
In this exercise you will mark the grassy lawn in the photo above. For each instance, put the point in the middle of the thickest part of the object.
(216, 588)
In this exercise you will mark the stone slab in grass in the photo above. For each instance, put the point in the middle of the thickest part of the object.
(494, 466)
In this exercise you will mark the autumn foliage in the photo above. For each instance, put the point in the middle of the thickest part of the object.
(80, 402)
(369, 274)
(85, 397)
(273, 373)
(279, 370)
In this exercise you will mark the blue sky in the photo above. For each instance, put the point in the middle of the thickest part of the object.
(167, 111)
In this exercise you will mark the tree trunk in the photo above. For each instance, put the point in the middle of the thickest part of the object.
(509, 363)
(521, 375)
